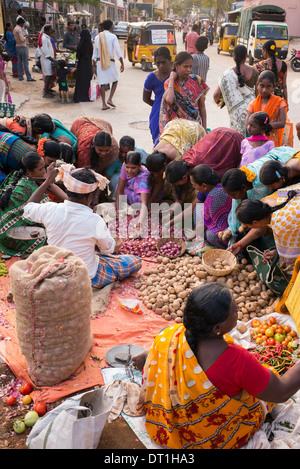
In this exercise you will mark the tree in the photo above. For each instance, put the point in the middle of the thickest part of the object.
(220, 6)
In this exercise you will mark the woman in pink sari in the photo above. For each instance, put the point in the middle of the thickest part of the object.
(184, 96)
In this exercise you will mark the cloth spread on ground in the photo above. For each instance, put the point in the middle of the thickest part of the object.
(114, 326)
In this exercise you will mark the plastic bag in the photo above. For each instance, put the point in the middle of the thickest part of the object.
(94, 91)
(77, 423)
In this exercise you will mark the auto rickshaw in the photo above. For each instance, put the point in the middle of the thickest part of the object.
(145, 37)
(228, 37)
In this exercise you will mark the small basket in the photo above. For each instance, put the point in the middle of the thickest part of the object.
(209, 257)
(161, 242)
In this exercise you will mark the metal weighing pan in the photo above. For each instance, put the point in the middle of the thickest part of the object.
(118, 356)
(27, 232)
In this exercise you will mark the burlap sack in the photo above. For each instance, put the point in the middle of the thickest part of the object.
(53, 295)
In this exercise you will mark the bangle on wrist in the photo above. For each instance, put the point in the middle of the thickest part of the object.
(239, 245)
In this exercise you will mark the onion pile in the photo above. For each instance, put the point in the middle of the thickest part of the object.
(170, 249)
(139, 247)
(144, 247)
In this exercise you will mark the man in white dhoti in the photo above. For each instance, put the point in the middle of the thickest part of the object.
(47, 57)
(105, 49)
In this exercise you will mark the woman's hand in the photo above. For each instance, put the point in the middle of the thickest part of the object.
(225, 236)
(52, 172)
(173, 75)
(234, 248)
(269, 255)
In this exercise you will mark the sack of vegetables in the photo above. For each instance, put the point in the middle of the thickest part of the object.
(53, 296)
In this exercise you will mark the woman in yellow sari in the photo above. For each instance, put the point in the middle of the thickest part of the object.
(201, 391)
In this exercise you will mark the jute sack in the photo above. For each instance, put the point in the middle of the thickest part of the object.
(53, 296)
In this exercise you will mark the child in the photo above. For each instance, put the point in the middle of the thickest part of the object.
(62, 72)
(133, 183)
(273, 105)
(257, 145)
(201, 60)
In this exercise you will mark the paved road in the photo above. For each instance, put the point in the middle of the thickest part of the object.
(131, 115)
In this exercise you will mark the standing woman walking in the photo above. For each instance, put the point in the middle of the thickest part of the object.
(84, 67)
(185, 94)
(10, 46)
(154, 83)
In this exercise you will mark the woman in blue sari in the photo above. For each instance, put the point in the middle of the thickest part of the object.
(154, 83)
(10, 47)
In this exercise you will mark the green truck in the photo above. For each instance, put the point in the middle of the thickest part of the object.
(258, 24)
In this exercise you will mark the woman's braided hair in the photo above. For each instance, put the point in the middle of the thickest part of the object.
(239, 55)
(207, 305)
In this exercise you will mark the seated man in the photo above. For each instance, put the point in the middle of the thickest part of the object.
(73, 225)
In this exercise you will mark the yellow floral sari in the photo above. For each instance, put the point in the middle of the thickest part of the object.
(184, 410)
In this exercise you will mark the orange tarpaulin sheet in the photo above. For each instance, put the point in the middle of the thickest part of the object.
(115, 326)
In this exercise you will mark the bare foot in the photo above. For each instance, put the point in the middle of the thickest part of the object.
(104, 108)
(111, 104)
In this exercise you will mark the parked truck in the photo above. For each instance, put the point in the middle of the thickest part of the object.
(258, 24)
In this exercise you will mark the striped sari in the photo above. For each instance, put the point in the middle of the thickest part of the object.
(185, 106)
(12, 217)
(184, 410)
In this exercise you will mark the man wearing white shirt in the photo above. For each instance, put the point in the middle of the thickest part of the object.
(74, 226)
(47, 57)
(107, 46)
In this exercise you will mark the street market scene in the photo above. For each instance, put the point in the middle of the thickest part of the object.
(149, 236)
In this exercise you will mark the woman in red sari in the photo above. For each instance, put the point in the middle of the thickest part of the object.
(184, 96)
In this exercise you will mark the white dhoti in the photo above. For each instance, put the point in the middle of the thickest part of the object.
(110, 75)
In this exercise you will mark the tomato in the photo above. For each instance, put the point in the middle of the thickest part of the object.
(40, 408)
(26, 388)
(293, 333)
(279, 337)
(256, 330)
(27, 399)
(286, 328)
(259, 340)
(269, 332)
(255, 323)
(11, 400)
(271, 341)
(271, 320)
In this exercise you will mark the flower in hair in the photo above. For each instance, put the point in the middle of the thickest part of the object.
(272, 47)
(40, 148)
(250, 175)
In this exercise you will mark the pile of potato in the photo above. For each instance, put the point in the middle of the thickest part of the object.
(166, 288)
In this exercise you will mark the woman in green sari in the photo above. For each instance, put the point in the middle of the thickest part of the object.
(15, 191)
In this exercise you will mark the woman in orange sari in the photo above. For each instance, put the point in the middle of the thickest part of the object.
(202, 391)
(273, 105)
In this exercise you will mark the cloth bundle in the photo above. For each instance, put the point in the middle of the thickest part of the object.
(53, 297)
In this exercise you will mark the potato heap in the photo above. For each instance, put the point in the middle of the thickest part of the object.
(165, 289)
